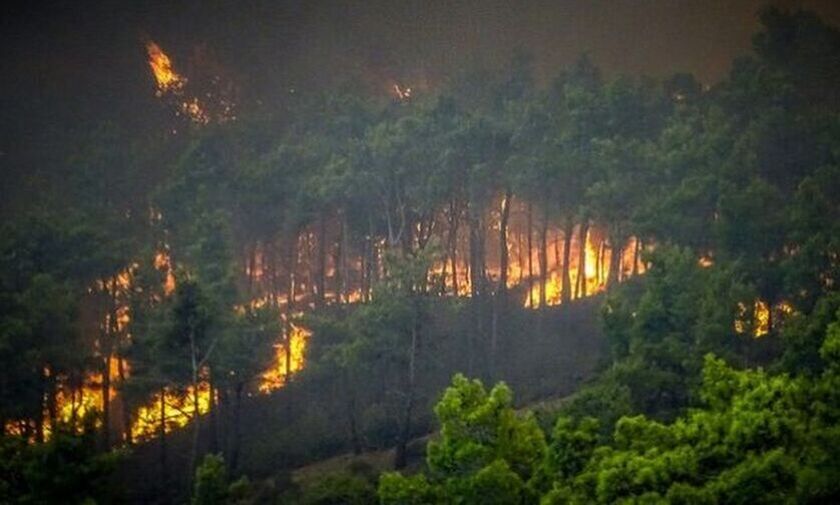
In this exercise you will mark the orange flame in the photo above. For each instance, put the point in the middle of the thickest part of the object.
(168, 80)
(176, 409)
(275, 377)
(163, 263)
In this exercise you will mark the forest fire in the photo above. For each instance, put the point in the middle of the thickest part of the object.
(168, 80)
(172, 84)
(289, 359)
(169, 409)
(163, 263)
(760, 318)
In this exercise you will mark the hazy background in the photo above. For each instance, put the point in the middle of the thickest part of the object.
(70, 63)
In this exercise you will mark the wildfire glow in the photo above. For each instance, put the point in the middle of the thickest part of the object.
(761, 315)
(170, 83)
(276, 377)
(176, 409)
(164, 264)
(402, 93)
(168, 80)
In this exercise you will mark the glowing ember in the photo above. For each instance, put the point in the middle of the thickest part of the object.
(164, 264)
(402, 93)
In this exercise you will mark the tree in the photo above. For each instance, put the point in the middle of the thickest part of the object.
(68, 468)
(486, 452)
(211, 482)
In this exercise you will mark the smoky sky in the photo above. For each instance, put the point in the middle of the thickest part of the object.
(68, 62)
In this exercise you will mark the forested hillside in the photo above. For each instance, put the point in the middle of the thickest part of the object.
(199, 309)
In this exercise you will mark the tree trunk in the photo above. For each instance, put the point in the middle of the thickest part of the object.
(637, 246)
(500, 298)
(322, 260)
(530, 257)
(108, 347)
(40, 419)
(405, 433)
(544, 260)
(568, 229)
(342, 260)
(599, 262)
(106, 404)
(162, 439)
(196, 420)
(503, 244)
(476, 253)
(521, 260)
(615, 261)
(237, 431)
(581, 276)
(126, 408)
(453, 244)
(213, 439)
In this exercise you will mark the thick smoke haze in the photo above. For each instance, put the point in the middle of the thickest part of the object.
(68, 63)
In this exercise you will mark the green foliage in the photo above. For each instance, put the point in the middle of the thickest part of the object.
(340, 489)
(211, 481)
(486, 453)
(758, 438)
(66, 469)
(212, 484)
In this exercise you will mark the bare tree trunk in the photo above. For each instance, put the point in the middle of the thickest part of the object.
(503, 243)
(615, 261)
(363, 272)
(196, 421)
(237, 430)
(568, 229)
(405, 434)
(213, 443)
(581, 277)
(477, 268)
(521, 260)
(544, 259)
(500, 297)
(322, 260)
(108, 347)
(637, 246)
(342, 257)
(290, 307)
(106, 404)
(126, 408)
(530, 257)
(162, 438)
(40, 419)
(599, 262)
